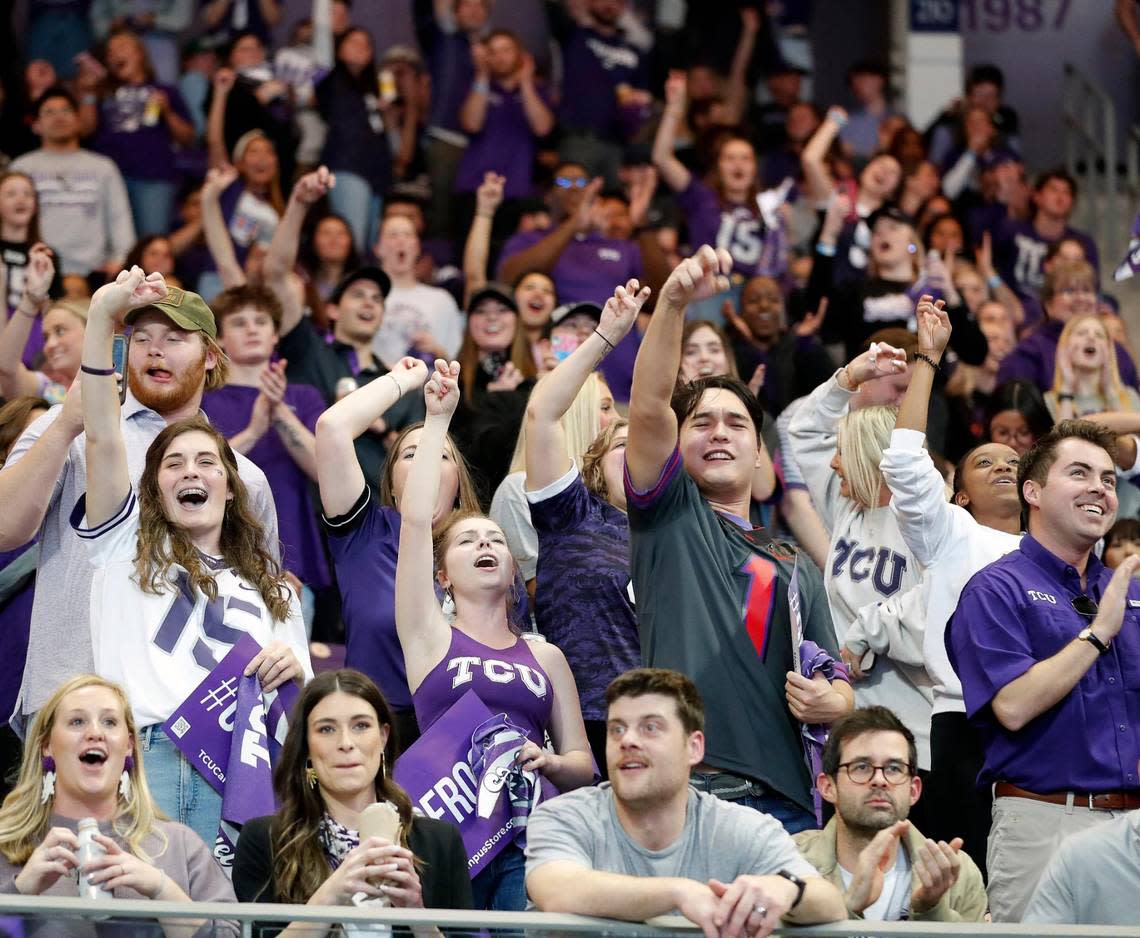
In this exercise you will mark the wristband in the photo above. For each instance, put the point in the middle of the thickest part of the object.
(993, 282)
(604, 339)
(98, 372)
(1065, 396)
(839, 118)
(921, 357)
(827, 250)
(481, 87)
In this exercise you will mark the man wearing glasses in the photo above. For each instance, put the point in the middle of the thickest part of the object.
(1046, 642)
(887, 870)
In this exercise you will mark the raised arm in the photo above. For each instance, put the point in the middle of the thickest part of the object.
(652, 423)
(423, 630)
(219, 153)
(672, 170)
(488, 198)
(282, 255)
(736, 88)
(15, 378)
(814, 157)
(546, 457)
(339, 474)
(218, 239)
(108, 481)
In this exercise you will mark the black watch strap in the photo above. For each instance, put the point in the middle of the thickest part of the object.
(799, 883)
(1090, 636)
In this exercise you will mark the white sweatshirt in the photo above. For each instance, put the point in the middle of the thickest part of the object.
(873, 581)
(946, 540)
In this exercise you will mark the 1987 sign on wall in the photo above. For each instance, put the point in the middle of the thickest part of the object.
(992, 16)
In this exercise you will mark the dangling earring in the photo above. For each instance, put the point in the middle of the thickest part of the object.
(48, 788)
(448, 603)
(310, 773)
(125, 778)
(381, 764)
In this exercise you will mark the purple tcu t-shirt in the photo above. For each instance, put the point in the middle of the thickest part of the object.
(507, 680)
(583, 595)
(506, 145)
(229, 409)
(739, 229)
(598, 65)
(1019, 252)
(133, 132)
(590, 266)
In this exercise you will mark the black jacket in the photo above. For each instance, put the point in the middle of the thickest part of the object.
(443, 875)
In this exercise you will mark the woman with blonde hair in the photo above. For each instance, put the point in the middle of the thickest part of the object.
(591, 411)
(872, 579)
(63, 324)
(582, 593)
(1086, 376)
(82, 760)
(363, 527)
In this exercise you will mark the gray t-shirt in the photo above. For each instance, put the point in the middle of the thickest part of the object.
(59, 642)
(1093, 879)
(721, 840)
(84, 211)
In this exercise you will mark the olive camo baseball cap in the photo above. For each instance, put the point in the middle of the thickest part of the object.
(185, 309)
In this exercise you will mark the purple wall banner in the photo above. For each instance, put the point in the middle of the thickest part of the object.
(232, 733)
(461, 768)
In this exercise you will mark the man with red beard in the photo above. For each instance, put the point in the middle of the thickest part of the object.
(173, 357)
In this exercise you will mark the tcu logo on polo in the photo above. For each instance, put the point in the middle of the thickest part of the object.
(499, 672)
(1041, 597)
(884, 566)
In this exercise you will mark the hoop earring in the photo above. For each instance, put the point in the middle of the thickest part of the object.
(310, 773)
(47, 789)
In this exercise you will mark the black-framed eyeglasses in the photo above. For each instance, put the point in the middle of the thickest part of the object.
(1085, 606)
(861, 771)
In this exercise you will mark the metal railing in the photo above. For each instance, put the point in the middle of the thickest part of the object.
(1090, 136)
(44, 909)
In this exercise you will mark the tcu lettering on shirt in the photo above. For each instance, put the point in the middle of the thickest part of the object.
(612, 57)
(1041, 597)
(884, 566)
(498, 672)
(888, 308)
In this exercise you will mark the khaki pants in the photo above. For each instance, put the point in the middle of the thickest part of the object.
(1023, 838)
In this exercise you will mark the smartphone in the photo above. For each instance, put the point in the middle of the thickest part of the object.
(119, 362)
(563, 346)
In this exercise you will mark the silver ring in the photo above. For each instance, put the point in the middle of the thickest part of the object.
(760, 910)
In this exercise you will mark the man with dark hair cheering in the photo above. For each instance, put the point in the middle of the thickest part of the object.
(712, 591)
(1046, 642)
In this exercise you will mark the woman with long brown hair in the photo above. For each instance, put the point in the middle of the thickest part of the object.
(337, 760)
(82, 760)
(182, 573)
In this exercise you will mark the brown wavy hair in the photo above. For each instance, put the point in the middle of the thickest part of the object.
(14, 417)
(34, 221)
(163, 544)
(441, 540)
(592, 475)
(300, 865)
(521, 357)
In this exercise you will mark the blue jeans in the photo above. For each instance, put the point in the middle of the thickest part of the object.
(152, 204)
(500, 886)
(180, 790)
(356, 202)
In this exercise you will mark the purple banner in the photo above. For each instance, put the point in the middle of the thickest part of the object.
(232, 733)
(460, 769)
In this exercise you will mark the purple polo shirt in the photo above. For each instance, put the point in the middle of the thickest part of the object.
(598, 65)
(590, 266)
(1034, 358)
(1017, 612)
(506, 145)
(738, 229)
(302, 553)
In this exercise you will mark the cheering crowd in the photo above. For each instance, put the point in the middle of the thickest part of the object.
(730, 500)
